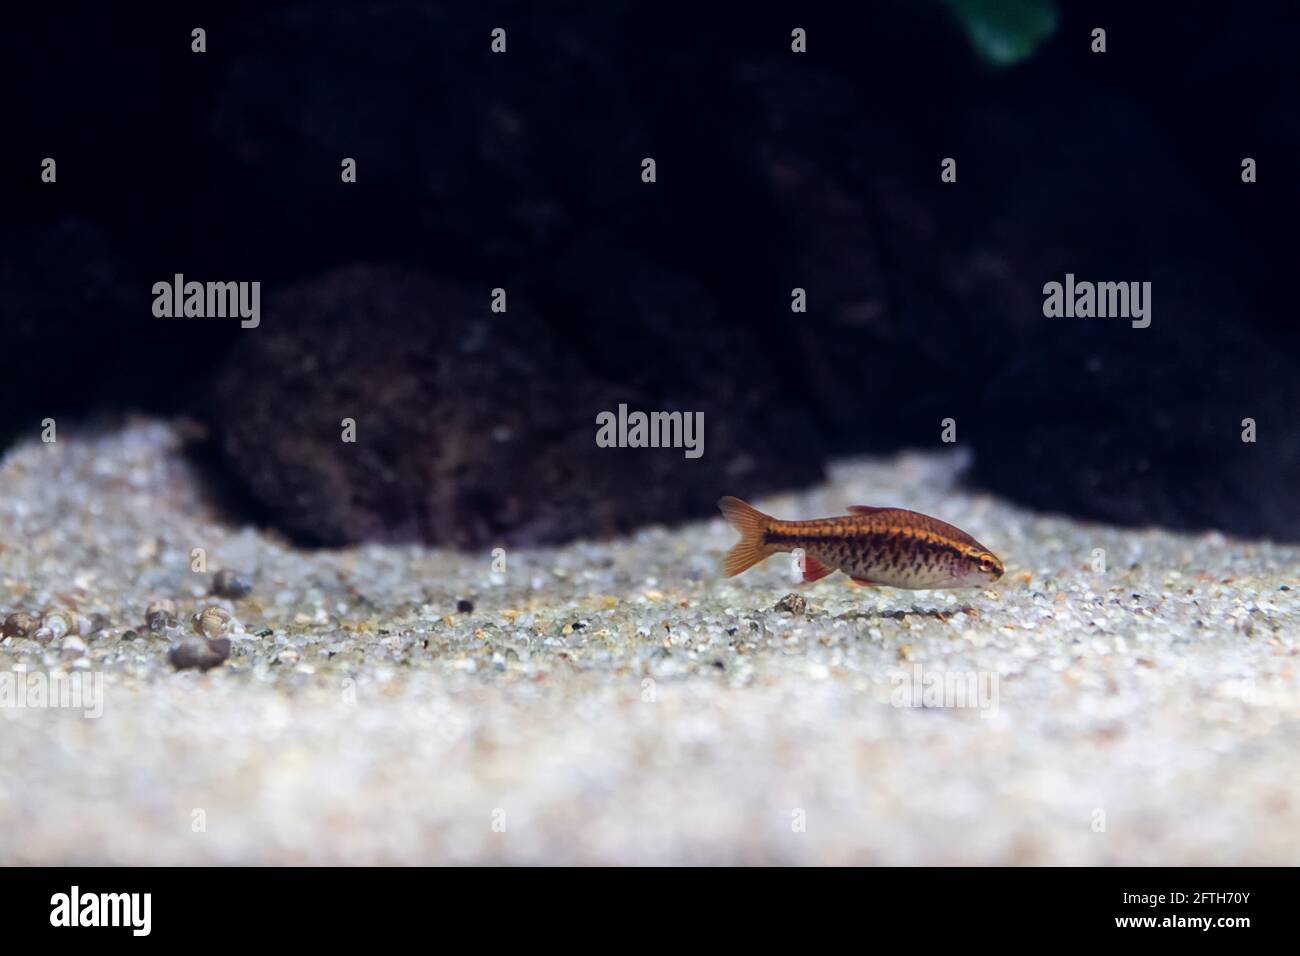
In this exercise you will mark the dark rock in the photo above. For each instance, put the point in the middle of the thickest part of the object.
(464, 607)
(199, 652)
(472, 428)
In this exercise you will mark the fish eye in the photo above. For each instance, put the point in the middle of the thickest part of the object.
(987, 565)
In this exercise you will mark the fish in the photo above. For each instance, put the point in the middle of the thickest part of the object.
(892, 547)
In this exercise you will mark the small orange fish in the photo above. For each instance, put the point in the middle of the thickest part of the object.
(889, 546)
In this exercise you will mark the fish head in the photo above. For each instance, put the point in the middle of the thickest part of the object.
(977, 567)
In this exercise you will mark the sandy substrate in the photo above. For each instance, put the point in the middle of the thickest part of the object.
(619, 702)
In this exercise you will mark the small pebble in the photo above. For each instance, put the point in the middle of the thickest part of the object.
(73, 647)
(59, 623)
(212, 621)
(199, 652)
(19, 624)
(42, 635)
(160, 615)
(464, 607)
(231, 584)
(792, 604)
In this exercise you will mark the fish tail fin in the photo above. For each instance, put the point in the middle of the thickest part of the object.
(753, 526)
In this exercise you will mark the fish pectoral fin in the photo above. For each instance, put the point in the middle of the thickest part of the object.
(814, 570)
(863, 582)
(864, 509)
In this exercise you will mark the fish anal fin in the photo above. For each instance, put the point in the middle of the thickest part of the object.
(814, 570)
(863, 582)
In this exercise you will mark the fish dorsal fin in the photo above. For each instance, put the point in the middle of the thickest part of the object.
(864, 509)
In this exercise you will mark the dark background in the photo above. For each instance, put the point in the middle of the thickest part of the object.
(775, 170)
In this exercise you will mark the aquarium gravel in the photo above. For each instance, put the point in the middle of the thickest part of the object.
(1121, 696)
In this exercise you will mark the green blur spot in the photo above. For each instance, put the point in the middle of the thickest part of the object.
(1004, 32)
